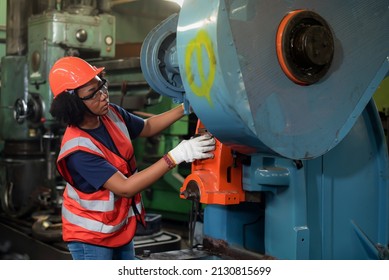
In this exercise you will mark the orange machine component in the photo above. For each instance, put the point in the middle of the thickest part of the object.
(217, 180)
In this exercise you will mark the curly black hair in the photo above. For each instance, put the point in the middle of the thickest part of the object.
(68, 109)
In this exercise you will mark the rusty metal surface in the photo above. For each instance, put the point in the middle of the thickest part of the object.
(225, 251)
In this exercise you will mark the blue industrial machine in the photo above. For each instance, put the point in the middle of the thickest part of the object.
(301, 162)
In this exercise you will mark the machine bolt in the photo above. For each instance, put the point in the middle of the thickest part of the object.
(146, 253)
(200, 247)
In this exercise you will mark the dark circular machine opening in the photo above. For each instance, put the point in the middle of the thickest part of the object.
(305, 47)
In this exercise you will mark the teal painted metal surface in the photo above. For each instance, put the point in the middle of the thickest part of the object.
(159, 60)
(228, 64)
(334, 207)
(61, 28)
(240, 225)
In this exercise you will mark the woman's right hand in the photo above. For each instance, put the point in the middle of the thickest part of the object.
(198, 147)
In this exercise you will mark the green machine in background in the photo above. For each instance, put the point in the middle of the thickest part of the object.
(163, 196)
(38, 33)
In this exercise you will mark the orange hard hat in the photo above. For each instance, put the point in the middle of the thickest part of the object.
(71, 72)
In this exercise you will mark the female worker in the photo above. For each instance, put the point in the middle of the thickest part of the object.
(102, 201)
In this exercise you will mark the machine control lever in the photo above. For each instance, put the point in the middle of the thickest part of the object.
(378, 249)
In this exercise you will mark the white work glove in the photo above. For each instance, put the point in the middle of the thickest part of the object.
(194, 148)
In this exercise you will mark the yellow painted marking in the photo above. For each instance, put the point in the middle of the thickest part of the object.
(195, 48)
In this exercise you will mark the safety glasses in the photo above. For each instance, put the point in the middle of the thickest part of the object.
(101, 89)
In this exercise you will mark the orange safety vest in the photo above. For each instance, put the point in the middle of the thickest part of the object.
(100, 218)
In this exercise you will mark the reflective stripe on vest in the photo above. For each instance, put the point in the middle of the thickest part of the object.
(97, 226)
(80, 141)
(94, 205)
(121, 125)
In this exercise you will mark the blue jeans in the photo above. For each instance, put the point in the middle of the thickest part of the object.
(84, 251)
